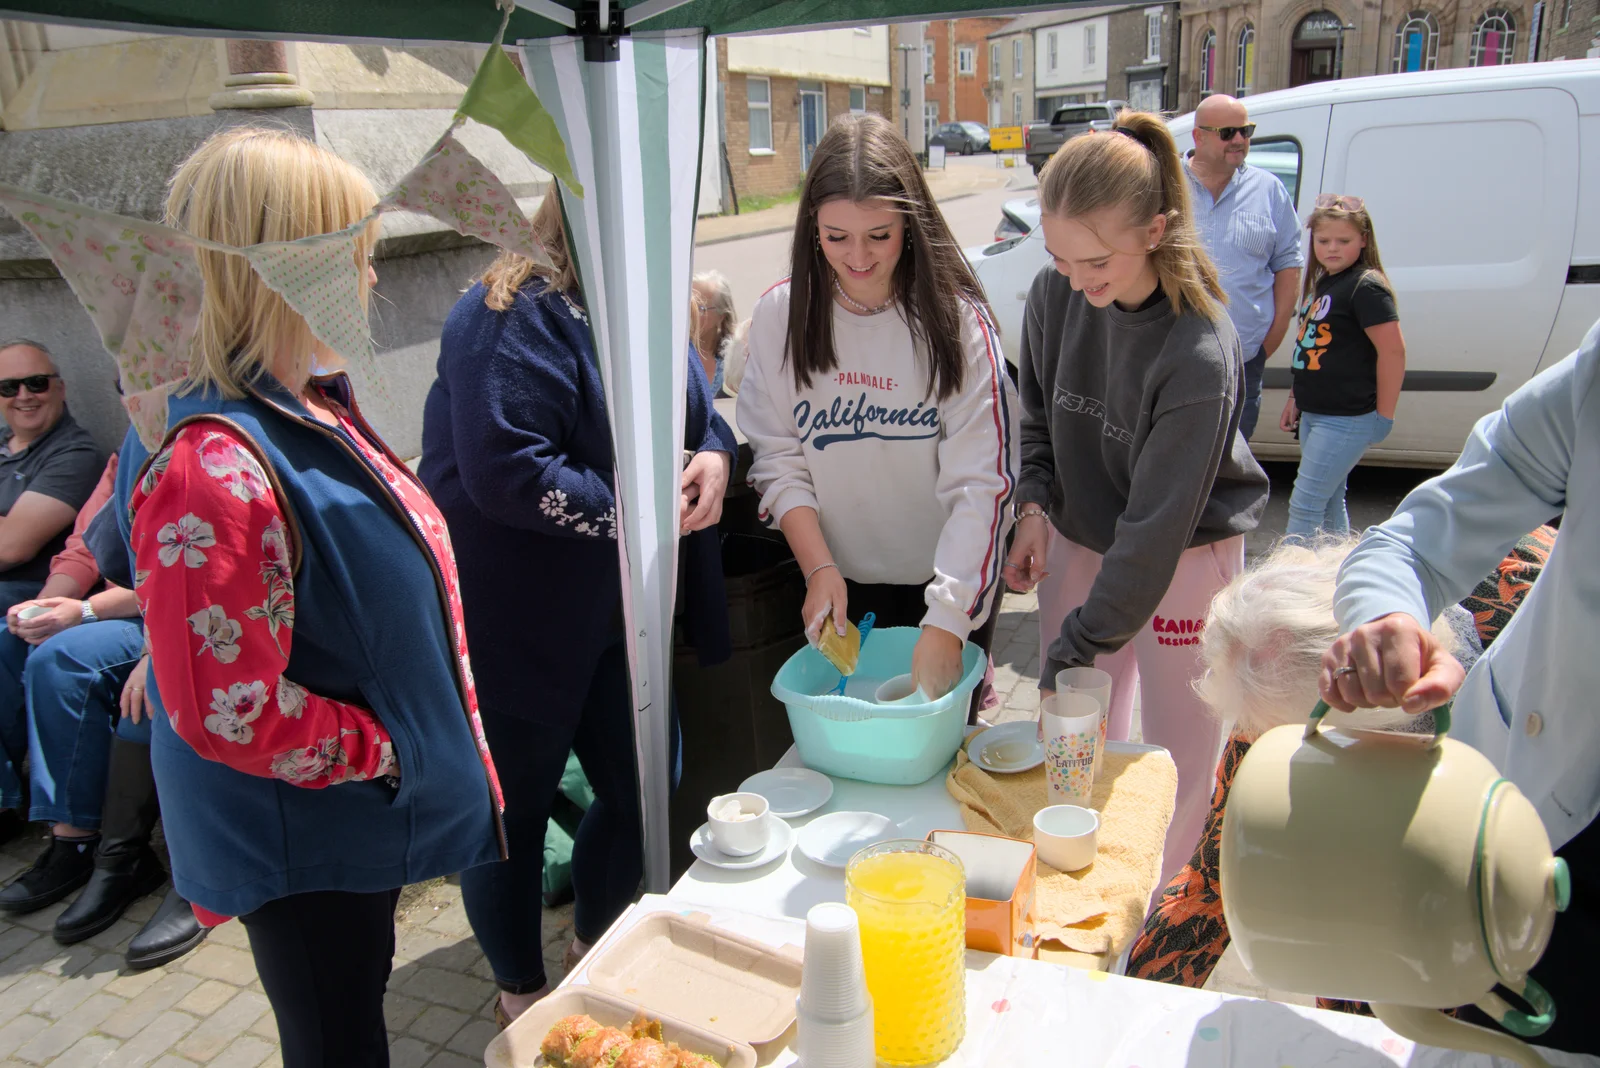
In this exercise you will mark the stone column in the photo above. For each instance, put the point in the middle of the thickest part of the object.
(259, 77)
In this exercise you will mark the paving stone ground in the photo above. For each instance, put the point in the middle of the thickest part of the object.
(77, 1006)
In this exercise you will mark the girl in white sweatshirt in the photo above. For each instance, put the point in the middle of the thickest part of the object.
(878, 408)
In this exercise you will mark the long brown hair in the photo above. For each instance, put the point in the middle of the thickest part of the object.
(860, 158)
(1369, 262)
(510, 272)
(1136, 167)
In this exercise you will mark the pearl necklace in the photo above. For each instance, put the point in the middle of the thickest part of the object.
(856, 304)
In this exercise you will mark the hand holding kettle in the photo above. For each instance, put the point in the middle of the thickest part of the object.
(1391, 662)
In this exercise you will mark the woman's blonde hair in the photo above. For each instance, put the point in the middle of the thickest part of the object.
(510, 272)
(246, 186)
(1368, 263)
(1265, 634)
(1137, 168)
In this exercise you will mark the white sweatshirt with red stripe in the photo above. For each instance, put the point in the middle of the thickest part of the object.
(909, 489)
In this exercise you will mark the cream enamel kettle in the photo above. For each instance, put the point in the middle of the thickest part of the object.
(1399, 870)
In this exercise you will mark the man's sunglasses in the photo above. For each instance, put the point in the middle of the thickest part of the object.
(1227, 133)
(1343, 203)
(35, 384)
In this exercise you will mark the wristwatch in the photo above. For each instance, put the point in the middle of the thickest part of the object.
(88, 612)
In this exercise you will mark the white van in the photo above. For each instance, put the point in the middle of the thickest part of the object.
(1484, 188)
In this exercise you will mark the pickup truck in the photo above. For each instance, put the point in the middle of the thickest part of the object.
(1041, 139)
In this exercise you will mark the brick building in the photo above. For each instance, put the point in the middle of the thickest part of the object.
(1142, 56)
(780, 91)
(1252, 46)
(1571, 29)
(956, 65)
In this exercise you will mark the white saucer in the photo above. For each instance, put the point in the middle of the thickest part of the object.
(1026, 731)
(791, 792)
(778, 843)
(833, 839)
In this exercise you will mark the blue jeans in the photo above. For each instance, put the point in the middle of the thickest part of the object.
(1250, 404)
(1330, 448)
(60, 701)
(503, 900)
(15, 591)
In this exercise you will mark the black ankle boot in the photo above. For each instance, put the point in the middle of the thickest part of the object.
(125, 868)
(171, 932)
(63, 867)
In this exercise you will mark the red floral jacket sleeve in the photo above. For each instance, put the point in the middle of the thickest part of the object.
(214, 580)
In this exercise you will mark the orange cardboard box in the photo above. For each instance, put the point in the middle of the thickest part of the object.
(1000, 883)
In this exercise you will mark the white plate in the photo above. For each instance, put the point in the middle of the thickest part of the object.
(833, 839)
(1025, 732)
(791, 792)
(778, 843)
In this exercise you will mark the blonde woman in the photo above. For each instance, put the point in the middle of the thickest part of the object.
(315, 732)
(1137, 488)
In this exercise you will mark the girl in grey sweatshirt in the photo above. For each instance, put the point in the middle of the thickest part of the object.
(1136, 487)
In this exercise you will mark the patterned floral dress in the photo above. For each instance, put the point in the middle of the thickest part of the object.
(215, 582)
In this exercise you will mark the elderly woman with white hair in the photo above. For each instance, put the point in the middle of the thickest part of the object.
(1262, 648)
(714, 325)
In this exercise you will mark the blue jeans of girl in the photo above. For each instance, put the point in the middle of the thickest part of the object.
(1330, 448)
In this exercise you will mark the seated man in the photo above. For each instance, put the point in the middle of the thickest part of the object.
(48, 467)
(63, 674)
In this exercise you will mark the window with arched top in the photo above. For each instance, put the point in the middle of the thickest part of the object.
(1208, 62)
(1245, 65)
(1493, 38)
(1416, 43)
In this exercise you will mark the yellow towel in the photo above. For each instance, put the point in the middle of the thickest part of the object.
(1102, 907)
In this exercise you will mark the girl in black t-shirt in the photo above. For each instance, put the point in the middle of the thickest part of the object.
(1349, 361)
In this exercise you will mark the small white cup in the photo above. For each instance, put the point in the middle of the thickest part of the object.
(1064, 835)
(900, 690)
(35, 610)
(746, 835)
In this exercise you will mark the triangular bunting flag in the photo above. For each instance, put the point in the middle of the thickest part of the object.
(320, 279)
(500, 97)
(455, 187)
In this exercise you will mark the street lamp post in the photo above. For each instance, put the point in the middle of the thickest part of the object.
(1338, 49)
(905, 88)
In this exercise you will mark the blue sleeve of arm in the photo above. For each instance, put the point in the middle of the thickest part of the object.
(706, 430)
(1452, 530)
(512, 411)
(1286, 253)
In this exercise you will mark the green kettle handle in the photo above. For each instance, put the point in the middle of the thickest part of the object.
(1441, 720)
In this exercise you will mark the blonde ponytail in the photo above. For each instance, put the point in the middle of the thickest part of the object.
(1137, 168)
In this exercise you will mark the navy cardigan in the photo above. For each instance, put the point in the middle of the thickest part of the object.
(516, 451)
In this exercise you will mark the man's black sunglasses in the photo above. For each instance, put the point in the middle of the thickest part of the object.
(1227, 132)
(35, 383)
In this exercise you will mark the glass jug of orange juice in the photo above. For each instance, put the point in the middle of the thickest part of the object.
(911, 898)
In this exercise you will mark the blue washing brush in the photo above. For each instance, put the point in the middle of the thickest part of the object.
(865, 627)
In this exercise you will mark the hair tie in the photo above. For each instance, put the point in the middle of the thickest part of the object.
(1125, 132)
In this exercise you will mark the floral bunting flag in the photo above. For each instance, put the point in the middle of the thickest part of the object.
(455, 187)
(320, 279)
(138, 281)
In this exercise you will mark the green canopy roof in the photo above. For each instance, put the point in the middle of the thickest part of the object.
(475, 21)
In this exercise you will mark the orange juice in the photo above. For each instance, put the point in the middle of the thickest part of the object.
(912, 903)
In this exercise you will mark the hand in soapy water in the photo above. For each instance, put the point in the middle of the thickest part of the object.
(936, 662)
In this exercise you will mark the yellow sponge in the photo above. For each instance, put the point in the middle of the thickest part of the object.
(843, 653)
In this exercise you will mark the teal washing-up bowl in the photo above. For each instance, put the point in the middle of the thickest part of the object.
(854, 737)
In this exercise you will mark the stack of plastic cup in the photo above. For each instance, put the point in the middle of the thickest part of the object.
(834, 1009)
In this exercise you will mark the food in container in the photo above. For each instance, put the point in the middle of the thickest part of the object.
(521, 1044)
(580, 1042)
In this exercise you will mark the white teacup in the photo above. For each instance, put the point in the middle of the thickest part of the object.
(31, 611)
(1064, 836)
(900, 690)
(739, 824)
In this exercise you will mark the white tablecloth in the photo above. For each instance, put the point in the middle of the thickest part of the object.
(1021, 1011)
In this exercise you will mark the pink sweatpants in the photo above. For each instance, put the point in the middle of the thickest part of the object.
(1163, 660)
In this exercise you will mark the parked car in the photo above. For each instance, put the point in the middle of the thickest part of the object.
(962, 137)
(1017, 218)
(1496, 266)
(1041, 139)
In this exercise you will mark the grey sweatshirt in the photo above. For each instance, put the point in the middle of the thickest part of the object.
(1130, 441)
